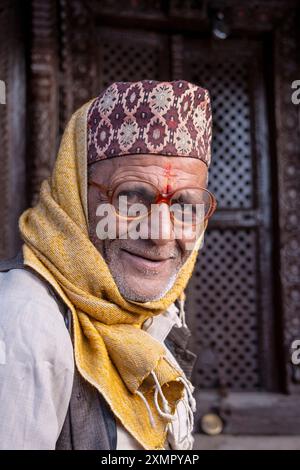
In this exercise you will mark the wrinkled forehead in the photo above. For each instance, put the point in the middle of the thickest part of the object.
(156, 168)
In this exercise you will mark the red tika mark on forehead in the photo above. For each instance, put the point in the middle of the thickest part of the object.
(168, 170)
(168, 177)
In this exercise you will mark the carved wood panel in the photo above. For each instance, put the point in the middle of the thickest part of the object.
(287, 69)
(12, 126)
(43, 106)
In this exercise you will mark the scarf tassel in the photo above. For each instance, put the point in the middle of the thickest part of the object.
(188, 401)
(181, 301)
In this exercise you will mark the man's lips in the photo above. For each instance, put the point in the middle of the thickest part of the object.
(143, 261)
(148, 257)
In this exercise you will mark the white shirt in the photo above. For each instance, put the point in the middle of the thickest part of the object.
(37, 364)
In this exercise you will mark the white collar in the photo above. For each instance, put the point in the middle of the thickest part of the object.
(160, 325)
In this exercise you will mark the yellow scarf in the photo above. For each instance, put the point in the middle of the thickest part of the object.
(112, 352)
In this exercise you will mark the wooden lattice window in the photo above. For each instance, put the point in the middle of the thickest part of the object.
(230, 313)
(130, 56)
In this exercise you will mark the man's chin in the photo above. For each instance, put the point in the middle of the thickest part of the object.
(146, 291)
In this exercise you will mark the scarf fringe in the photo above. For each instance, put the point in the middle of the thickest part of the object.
(151, 418)
(165, 413)
(189, 403)
(181, 301)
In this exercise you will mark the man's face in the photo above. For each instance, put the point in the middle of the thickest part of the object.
(144, 269)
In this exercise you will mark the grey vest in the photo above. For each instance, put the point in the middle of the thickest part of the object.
(90, 423)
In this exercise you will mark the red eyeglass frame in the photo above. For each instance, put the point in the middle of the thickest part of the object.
(161, 197)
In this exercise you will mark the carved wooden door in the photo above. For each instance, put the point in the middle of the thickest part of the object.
(243, 300)
(232, 302)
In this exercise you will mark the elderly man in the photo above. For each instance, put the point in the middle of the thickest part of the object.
(92, 324)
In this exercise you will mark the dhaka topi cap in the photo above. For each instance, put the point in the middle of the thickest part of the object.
(150, 117)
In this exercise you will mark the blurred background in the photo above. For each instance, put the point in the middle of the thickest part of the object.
(243, 303)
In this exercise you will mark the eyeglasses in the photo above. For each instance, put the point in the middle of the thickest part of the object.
(184, 202)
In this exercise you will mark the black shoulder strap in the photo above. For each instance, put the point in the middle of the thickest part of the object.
(12, 263)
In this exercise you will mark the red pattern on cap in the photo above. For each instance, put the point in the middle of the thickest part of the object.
(150, 117)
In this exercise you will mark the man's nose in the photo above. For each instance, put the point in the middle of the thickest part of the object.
(160, 224)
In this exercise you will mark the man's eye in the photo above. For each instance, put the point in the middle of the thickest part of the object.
(135, 196)
(179, 202)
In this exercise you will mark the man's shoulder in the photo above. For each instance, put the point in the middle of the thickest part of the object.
(36, 363)
(28, 309)
(20, 286)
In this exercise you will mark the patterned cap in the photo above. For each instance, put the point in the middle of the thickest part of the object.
(150, 117)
